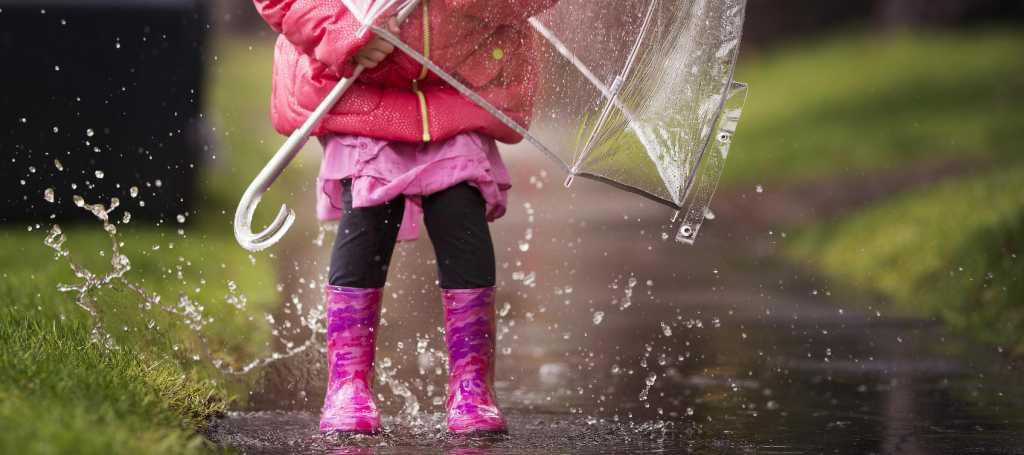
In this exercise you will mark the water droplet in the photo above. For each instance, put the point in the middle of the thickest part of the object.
(651, 377)
(55, 239)
(524, 245)
(181, 218)
(134, 191)
(598, 317)
(99, 174)
(48, 195)
(505, 309)
(666, 329)
(60, 167)
(758, 188)
(127, 217)
(664, 235)
(89, 132)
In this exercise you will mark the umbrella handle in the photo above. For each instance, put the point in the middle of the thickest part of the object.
(243, 215)
(286, 217)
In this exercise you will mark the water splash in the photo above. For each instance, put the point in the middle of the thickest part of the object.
(186, 308)
(651, 377)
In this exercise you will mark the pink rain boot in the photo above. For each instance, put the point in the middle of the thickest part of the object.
(352, 316)
(470, 336)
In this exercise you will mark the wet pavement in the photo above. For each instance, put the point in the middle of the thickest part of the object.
(614, 340)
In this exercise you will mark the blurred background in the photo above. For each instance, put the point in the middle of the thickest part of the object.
(874, 188)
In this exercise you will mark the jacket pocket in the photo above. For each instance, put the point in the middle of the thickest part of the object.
(484, 64)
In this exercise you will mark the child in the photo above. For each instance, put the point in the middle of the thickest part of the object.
(399, 143)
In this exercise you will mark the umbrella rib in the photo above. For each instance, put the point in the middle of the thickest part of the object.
(609, 94)
(564, 50)
(469, 93)
(721, 105)
(617, 85)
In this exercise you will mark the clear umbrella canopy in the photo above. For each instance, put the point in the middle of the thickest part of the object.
(632, 93)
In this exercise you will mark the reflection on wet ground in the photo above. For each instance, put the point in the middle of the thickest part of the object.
(734, 350)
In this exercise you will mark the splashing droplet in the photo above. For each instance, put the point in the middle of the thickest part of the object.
(758, 188)
(48, 195)
(666, 329)
(181, 218)
(134, 191)
(89, 132)
(60, 167)
(56, 238)
(598, 317)
(651, 377)
(99, 174)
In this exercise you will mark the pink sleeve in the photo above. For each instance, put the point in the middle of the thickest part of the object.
(322, 29)
(501, 11)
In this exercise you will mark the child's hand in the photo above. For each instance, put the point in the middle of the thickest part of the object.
(378, 49)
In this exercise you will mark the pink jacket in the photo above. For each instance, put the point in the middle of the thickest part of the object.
(486, 44)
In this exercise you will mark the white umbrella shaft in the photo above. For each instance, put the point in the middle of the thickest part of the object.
(243, 215)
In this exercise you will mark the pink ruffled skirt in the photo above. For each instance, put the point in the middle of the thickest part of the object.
(382, 170)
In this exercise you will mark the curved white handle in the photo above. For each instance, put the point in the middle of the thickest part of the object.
(284, 156)
(273, 169)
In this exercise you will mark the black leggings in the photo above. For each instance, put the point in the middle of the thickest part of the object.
(456, 220)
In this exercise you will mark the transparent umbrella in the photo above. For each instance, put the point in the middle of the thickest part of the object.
(637, 94)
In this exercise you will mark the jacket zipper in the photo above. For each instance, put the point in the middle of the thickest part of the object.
(423, 74)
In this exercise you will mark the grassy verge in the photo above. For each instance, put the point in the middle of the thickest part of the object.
(860, 103)
(62, 393)
(855, 104)
(954, 251)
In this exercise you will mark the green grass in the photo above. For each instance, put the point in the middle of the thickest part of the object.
(954, 251)
(855, 104)
(62, 393)
(866, 102)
